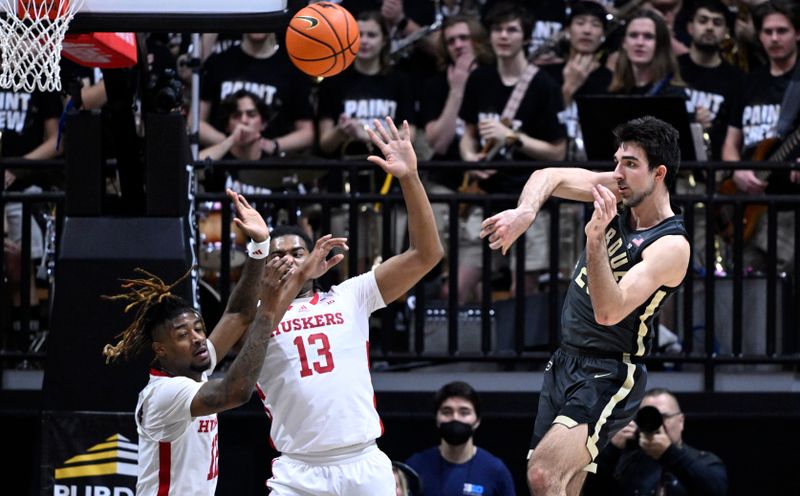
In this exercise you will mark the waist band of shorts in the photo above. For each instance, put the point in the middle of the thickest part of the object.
(611, 355)
(348, 454)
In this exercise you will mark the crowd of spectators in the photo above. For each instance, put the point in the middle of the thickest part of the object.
(730, 63)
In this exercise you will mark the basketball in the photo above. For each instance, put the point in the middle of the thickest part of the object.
(322, 39)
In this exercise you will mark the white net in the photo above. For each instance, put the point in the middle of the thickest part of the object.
(31, 33)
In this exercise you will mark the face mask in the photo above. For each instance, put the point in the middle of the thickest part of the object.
(455, 432)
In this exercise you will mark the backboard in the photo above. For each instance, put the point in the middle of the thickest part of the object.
(159, 16)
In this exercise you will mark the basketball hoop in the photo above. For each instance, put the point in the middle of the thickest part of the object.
(31, 33)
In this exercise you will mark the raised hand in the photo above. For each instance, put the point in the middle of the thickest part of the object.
(244, 135)
(504, 228)
(605, 209)
(655, 444)
(316, 263)
(458, 73)
(400, 158)
(627, 433)
(577, 70)
(247, 218)
(392, 11)
(275, 274)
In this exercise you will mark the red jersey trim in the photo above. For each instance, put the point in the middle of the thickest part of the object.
(159, 373)
(260, 393)
(164, 467)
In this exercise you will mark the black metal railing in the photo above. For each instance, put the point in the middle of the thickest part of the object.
(25, 287)
(712, 316)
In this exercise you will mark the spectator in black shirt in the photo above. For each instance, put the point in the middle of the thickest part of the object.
(755, 122)
(646, 63)
(532, 132)
(369, 89)
(463, 47)
(582, 73)
(261, 66)
(713, 85)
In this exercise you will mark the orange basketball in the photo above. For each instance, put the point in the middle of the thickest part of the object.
(322, 39)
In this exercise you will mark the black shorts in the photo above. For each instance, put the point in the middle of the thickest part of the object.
(603, 393)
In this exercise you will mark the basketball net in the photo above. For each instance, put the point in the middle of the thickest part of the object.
(31, 33)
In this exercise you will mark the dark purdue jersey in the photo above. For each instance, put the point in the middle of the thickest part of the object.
(634, 333)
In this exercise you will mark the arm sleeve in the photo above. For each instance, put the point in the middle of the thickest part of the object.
(700, 472)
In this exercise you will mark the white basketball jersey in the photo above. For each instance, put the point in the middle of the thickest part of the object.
(315, 383)
(178, 453)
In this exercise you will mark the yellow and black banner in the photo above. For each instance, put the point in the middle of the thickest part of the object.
(88, 454)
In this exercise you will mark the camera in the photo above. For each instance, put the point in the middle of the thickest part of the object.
(164, 92)
(649, 419)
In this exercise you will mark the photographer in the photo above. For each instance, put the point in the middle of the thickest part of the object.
(649, 456)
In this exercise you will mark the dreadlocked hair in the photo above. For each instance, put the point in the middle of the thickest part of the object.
(154, 303)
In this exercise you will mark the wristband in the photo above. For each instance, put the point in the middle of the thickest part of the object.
(258, 250)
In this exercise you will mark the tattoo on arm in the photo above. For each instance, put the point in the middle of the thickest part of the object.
(244, 296)
(239, 381)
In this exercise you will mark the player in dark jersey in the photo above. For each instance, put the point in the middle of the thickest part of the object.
(636, 255)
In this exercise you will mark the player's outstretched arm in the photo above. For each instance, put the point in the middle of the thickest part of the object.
(280, 286)
(664, 263)
(241, 308)
(568, 183)
(399, 274)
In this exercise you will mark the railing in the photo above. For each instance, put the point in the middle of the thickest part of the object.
(422, 330)
(23, 334)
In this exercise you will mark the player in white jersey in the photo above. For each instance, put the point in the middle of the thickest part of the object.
(176, 415)
(315, 383)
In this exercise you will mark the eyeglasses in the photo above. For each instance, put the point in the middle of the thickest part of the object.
(459, 37)
(670, 415)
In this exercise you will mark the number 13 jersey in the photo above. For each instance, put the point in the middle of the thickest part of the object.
(315, 383)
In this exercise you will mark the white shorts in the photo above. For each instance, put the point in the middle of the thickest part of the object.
(363, 470)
